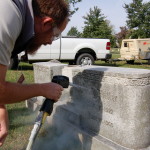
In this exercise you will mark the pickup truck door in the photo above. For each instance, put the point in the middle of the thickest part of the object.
(55, 49)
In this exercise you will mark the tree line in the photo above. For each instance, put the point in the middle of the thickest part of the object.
(96, 24)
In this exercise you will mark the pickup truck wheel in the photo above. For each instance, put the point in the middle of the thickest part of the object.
(85, 59)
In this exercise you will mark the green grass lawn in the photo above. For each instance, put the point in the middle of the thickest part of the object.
(20, 126)
(21, 119)
(141, 64)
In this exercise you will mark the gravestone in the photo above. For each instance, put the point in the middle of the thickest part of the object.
(43, 72)
(107, 108)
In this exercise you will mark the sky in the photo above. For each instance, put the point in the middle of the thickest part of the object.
(112, 9)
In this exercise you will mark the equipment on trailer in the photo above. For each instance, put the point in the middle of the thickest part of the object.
(135, 49)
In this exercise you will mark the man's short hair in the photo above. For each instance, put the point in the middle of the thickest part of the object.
(58, 10)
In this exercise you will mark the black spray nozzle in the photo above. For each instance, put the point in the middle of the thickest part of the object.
(61, 80)
(48, 103)
(47, 106)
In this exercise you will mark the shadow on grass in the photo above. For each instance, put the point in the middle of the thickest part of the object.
(137, 64)
(140, 63)
(19, 111)
(21, 124)
(108, 64)
(19, 117)
(25, 66)
(114, 64)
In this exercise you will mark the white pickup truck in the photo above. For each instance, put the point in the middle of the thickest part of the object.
(79, 51)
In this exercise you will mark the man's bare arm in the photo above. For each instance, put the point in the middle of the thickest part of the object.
(16, 92)
(3, 124)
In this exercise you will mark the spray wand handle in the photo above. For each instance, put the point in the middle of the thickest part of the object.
(47, 106)
(48, 103)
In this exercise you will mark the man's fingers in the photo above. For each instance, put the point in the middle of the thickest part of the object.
(1, 142)
(3, 137)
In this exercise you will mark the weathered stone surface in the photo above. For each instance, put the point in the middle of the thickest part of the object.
(108, 107)
(43, 72)
(113, 103)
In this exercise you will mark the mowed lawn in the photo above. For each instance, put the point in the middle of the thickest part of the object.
(21, 119)
(140, 64)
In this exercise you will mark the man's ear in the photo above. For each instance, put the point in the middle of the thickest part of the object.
(47, 23)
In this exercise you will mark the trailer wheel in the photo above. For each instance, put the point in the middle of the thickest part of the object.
(85, 59)
(130, 61)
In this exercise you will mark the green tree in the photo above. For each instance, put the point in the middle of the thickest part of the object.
(123, 34)
(96, 25)
(138, 14)
(73, 4)
(146, 25)
(73, 32)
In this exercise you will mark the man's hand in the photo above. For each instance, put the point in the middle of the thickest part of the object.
(52, 91)
(3, 124)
